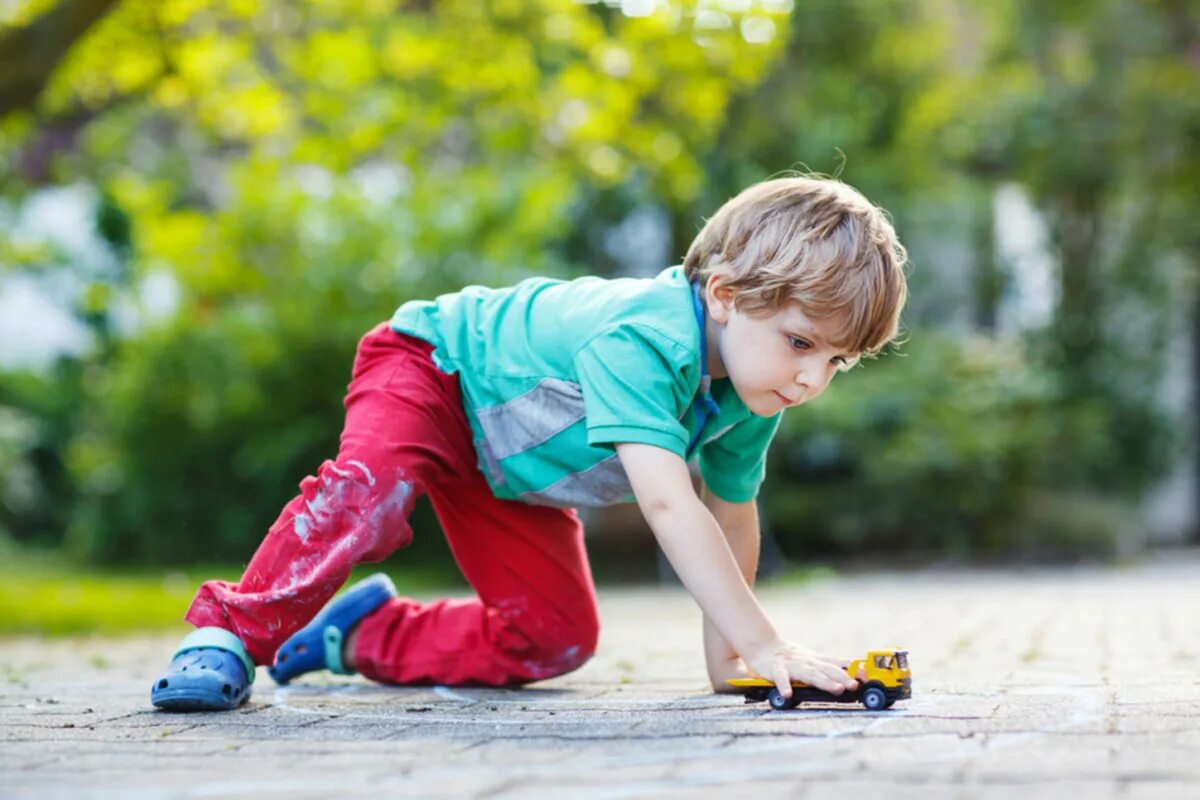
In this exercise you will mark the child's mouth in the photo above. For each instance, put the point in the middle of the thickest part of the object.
(786, 401)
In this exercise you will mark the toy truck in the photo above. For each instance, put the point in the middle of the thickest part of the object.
(888, 680)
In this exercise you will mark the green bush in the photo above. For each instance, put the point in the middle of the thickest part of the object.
(190, 435)
(196, 434)
(38, 415)
(17, 486)
(956, 446)
(186, 444)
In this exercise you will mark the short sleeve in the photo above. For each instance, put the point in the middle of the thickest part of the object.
(733, 465)
(634, 387)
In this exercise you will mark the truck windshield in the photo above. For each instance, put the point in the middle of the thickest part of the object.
(902, 660)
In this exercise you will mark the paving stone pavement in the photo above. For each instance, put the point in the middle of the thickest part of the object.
(1033, 683)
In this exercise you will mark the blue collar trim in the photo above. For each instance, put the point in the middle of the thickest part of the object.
(703, 404)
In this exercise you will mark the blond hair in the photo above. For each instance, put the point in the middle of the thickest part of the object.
(815, 241)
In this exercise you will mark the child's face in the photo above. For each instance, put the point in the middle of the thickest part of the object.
(775, 361)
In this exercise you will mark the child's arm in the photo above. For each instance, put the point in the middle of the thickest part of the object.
(739, 522)
(695, 545)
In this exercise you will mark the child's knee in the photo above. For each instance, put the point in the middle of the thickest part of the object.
(564, 649)
(552, 662)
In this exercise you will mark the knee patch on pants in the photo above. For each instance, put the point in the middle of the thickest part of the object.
(551, 648)
(349, 497)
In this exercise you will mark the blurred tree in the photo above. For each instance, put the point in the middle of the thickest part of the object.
(301, 168)
(1093, 107)
(29, 53)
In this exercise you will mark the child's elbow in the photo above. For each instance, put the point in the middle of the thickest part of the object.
(661, 508)
(656, 506)
(660, 481)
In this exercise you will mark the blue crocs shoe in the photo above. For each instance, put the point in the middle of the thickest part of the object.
(211, 671)
(318, 645)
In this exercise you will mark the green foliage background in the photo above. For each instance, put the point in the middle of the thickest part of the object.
(299, 169)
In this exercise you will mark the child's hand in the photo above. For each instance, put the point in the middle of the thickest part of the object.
(782, 662)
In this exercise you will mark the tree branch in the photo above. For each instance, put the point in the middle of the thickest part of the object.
(29, 55)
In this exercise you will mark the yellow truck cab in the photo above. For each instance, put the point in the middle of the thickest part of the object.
(888, 680)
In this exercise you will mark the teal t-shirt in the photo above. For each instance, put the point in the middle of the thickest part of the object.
(555, 373)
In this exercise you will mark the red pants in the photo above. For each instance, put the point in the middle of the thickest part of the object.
(405, 435)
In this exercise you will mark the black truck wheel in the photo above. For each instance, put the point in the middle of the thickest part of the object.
(779, 702)
(874, 698)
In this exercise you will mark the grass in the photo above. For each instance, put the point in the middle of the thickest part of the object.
(799, 575)
(47, 595)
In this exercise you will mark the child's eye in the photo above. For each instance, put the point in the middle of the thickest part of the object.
(798, 343)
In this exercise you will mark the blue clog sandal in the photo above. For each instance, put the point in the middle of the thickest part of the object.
(318, 645)
(210, 671)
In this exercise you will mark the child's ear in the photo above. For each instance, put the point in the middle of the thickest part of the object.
(719, 298)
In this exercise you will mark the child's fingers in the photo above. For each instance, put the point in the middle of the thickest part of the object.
(783, 680)
(842, 675)
(835, 679)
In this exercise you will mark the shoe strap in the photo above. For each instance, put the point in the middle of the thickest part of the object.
(220, 639)
(332, 636)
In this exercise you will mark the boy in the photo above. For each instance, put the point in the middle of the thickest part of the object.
(511, 407)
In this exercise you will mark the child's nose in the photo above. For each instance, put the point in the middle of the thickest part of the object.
(814, 377)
